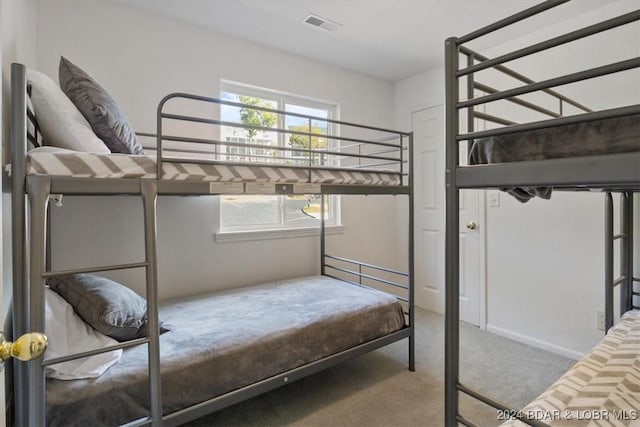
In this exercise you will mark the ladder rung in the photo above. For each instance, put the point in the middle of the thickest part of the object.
(75, 356)
(95, 269)
(619, 236)
(619, 280)
(465, 422)
(138, 423)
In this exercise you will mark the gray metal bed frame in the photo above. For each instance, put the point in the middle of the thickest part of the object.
(612, 173)
(31, 258)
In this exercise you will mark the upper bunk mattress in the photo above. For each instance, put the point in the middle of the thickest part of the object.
(223, 341)
(608, 136)
(59, 162)
(602, 389)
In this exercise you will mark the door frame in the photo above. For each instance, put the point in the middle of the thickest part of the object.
(482, 254)
(482, 232)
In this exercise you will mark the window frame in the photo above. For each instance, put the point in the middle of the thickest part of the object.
(284, 226)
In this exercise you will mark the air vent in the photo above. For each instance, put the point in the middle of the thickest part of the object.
(322, 23)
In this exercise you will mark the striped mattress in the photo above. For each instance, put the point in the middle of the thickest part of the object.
(602, 389)
(51, 161)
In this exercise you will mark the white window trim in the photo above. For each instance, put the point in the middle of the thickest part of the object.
(276, 233)
(285, 231)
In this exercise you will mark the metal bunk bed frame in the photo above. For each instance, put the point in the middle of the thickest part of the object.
(613, 172)
(31, 265)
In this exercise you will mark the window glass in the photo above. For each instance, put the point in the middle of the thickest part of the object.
(253, 142)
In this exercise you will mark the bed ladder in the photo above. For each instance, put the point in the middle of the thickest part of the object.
(31, 270)
(626, 278)
(39, 192)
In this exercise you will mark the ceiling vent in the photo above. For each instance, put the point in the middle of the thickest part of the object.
(322, 23)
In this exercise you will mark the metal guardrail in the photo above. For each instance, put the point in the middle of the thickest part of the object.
(380, 151)
(477, 62)
(360, 273)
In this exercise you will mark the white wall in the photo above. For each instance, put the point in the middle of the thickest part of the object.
(545, 258)
(417, 92)
(17, 43)
(17, 32)
(140, 58)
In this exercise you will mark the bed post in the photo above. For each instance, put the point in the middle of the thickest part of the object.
(149, 192)
(631, 231)
(412, 311)
(20, 301)
(39, 189)
(452, 260)
(322, 234)
(626, 259)
(608, 261)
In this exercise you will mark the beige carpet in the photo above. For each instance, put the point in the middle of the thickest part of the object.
(378, 390)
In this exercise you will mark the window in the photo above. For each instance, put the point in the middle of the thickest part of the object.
(260, 145)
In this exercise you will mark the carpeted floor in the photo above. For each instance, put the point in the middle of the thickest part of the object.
(378, 390)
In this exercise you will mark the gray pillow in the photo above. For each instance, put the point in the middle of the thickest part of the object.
(109, 307)
(98, 107)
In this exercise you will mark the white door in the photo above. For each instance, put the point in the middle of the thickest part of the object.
(429, 162)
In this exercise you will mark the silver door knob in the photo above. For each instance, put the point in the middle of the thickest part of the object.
(471, 225)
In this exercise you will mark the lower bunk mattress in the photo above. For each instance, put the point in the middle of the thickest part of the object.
(223, 341)
(602, 389)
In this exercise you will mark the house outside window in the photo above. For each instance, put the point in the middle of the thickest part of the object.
(241, 213)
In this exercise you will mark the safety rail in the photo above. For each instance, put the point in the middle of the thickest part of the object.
(357, 273)
(493, 94)
(476, 62)
(313, 144)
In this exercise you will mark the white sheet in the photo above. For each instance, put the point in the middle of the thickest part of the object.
(68, 334)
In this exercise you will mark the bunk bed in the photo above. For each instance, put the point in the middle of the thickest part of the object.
(225, 347)
(586, 150)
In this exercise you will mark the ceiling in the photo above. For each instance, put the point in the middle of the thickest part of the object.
(388, 39)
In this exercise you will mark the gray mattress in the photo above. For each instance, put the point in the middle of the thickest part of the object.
(600, 137)
(227, 340)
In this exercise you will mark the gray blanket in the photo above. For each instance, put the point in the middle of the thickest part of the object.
(227, 340)
(610, 136)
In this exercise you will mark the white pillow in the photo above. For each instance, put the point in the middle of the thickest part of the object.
(68, 334)
(61, 123)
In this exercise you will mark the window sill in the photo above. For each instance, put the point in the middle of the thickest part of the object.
(282, 233)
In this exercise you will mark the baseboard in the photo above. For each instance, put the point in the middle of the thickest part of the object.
(544, 345)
